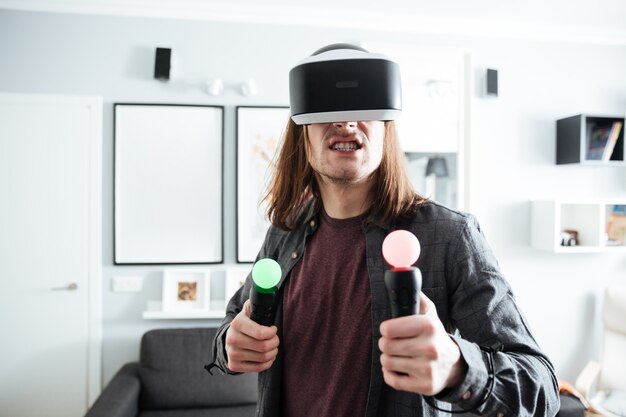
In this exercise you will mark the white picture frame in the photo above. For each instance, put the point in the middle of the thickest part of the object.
(259, 131)
(186, 290)
(168, 184)
(235, 279)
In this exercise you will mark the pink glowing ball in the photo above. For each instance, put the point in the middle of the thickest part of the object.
(401, 249)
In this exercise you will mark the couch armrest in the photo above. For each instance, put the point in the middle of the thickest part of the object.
(120, 398)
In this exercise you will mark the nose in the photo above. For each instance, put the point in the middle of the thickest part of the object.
(345, 125)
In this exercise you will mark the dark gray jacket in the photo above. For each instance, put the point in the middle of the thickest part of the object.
(474, 302)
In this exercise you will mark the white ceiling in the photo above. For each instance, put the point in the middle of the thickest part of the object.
(596, 21)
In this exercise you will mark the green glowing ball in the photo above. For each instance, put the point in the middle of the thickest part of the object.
(266, 273)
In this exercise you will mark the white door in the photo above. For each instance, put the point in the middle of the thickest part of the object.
(50, 254)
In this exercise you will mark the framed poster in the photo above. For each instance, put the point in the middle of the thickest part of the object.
(259, 131)
(168, 184)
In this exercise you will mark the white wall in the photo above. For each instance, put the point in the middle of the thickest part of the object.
(512, 144)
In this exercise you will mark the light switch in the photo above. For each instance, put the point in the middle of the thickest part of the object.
(127, 284)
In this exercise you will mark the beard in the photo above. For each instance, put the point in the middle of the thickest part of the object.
(343, 179)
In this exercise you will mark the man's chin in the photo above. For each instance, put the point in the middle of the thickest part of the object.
(346, 179)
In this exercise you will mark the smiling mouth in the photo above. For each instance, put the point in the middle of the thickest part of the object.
(345, 146)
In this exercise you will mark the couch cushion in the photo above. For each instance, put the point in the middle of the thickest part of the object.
(173, 376)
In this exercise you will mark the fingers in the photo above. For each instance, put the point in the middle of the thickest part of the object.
(412, 326)
(407, 326)
(249, 355)
(404, 365)
(245, 325)
(250, 366)
(408, 347)
(241, 360)
(417, 367)
(415, 352)
(412, 374)
(243, 341)
(250, 347)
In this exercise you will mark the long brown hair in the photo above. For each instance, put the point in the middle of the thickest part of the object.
(293, 183)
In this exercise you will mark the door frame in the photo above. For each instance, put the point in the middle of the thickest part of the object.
(93, 104)
(94, 367)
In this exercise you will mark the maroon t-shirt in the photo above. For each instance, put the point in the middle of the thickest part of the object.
(327, 325)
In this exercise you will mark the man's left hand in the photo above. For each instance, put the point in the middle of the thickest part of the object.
(418, 355)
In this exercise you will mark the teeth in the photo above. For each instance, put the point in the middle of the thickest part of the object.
(345, 146)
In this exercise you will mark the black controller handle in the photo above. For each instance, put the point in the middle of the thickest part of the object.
(262, 306)
(403, 287)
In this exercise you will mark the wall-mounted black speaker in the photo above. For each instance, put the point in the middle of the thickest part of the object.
(162, 63)
(492, 82)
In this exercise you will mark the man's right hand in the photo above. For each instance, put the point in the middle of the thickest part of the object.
(250, 347)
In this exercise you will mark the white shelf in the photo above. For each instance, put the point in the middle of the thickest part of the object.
(154, 312)
(168, 315)
(588, 217)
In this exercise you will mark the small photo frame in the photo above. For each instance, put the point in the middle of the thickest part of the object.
(186, 290)
(235, 279)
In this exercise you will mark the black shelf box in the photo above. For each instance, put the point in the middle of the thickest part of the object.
(573, 135)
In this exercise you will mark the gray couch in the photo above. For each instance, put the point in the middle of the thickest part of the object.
(170, 381)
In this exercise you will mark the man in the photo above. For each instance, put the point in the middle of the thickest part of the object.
(338, 190)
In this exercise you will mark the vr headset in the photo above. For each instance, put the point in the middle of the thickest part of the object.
(344, 83)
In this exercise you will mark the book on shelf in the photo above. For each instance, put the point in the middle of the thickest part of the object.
(616, 226)
(612, 140)
(619, 209)
(597, 137)
(616, 229)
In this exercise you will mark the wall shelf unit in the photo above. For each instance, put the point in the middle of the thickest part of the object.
(154, 311)
(590, 219)
(590, 140)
